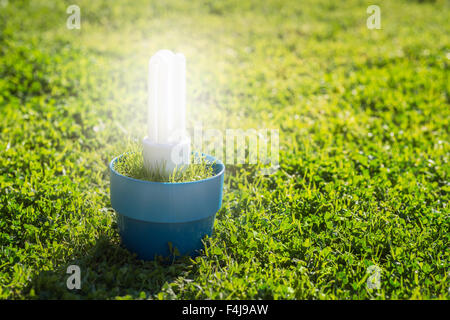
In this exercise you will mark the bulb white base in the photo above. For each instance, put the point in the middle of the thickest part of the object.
(165, 157)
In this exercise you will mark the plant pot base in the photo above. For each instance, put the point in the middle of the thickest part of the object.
(148, 239)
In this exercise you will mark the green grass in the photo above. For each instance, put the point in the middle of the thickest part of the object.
(363, 117)
(131, 164)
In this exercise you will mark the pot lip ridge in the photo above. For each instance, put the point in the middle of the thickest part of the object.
(210, 158)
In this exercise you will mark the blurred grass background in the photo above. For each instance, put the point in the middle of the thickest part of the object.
(363, 118)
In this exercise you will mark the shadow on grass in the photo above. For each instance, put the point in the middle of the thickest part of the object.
(109, 271)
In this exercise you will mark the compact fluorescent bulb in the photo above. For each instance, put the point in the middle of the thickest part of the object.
(166, 145)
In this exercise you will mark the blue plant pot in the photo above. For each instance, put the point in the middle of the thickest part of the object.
(154, 216)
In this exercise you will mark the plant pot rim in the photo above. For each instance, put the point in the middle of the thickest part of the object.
(164, 201)
(210, 159)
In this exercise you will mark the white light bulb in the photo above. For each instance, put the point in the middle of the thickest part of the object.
(167, 96)
(167, 111)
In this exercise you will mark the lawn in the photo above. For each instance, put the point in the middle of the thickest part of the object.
(363, 119)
